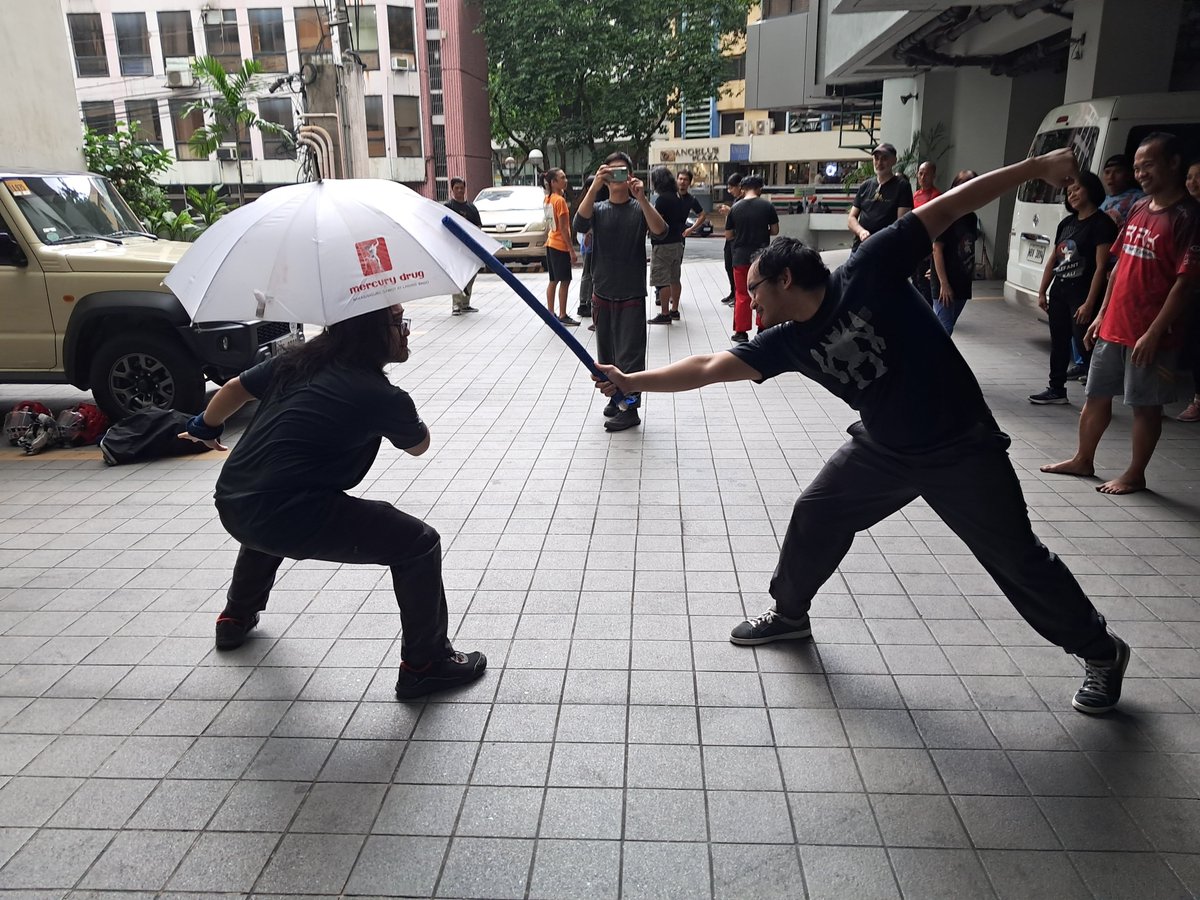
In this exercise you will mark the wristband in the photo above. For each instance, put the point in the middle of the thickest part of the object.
(198, 428)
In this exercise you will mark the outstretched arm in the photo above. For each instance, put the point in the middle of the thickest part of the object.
(206, 428)
(1056, 168)
(685, 375)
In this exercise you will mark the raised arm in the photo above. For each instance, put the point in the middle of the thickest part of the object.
(588, 203)
(1055, 168)
(654, 220)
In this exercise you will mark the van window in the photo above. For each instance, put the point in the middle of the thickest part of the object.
(1188, 132)
(1081, 140)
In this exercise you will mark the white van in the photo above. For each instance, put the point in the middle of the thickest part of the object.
(1095, 129)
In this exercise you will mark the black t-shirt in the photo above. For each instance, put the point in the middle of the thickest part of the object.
(1075, 246)
(876, 344)
(674, 209)
(314, 438)
(750, 219)
(877, 206)
(958, 255)
(466, 210)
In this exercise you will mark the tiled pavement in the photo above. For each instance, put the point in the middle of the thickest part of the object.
(923, 746)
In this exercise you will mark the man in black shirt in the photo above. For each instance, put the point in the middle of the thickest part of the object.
(733, 187)
(881, 200)
(461, 302)
(749, 228)
(866, 335)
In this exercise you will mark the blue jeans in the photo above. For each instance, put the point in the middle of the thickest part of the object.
(948, 315)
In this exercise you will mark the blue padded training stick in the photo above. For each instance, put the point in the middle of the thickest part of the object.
(536, 305)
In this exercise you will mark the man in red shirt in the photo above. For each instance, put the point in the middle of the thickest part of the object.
(926, 188)
(1138, 331)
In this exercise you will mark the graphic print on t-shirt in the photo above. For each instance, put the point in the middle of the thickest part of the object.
(850, 349)
(1070, 263)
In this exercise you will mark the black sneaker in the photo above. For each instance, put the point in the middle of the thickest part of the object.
(625, 418)
(456, 312)
(567, 320)
(232, 630)
(675, 314)
(739, 337)
(727, 299)
(1078, 370)
(660, 319)
(1049, 397)
(1102, 681)
(770, 626)
(611, 409)
(454, 670)
(469, 309)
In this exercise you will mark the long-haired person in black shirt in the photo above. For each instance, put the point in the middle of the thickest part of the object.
(865, 334)
(323, 411)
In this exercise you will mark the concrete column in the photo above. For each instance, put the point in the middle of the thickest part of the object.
(1126, 47)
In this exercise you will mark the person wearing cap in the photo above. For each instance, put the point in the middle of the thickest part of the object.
(1122, 190)
(882, 199)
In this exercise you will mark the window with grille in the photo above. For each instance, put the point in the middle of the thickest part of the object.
(439, 152)
(223, 42)
(407, 111)
(433, 54)
(87, 39)
(431, 17)
(266, 39)
(437, 106)
(133, 43)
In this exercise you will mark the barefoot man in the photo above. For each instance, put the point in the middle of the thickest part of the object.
(866, 335)
(1139, 330)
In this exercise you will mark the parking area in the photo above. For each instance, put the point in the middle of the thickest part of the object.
(922, 745)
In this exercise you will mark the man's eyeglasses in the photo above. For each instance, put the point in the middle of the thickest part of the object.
(754, 286)
(405, 326)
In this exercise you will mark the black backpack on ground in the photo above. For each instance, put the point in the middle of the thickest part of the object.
(148, 434)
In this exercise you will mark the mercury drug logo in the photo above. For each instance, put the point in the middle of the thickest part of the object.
(373, 257)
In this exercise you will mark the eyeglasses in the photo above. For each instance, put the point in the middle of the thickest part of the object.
(405, 326)
(751, 288)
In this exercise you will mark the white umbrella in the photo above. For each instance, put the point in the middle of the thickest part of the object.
(321, 252)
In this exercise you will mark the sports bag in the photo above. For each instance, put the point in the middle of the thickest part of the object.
(151, 433)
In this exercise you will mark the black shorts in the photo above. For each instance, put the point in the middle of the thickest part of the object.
(558, 264)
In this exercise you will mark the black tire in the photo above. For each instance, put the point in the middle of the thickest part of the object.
(134, 372)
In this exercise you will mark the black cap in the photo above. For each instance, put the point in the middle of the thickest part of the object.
(885, 148)
(1117, 159)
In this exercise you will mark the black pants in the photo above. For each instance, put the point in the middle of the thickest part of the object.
(620, 332)
(729, 265)
(1063, 327)
(585, 287)
(976, 492)
(364, 532)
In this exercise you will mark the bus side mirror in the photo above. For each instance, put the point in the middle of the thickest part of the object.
(11, 253)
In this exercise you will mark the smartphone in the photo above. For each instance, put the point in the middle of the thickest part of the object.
(620, 174)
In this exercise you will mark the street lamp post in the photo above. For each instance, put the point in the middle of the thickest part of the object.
(510, 169)
(536, 157)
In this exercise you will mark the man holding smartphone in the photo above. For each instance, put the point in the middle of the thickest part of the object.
(618, 227)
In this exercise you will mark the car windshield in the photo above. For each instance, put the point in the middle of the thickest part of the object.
(67, 208)
(517, 197)
(1081, 140)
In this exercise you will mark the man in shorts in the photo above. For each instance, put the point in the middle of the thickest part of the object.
(1139, 330)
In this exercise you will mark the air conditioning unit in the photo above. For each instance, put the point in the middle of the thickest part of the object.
(212, 16)
(739, 127)
(760, 127)
(180, 78)
(401, 64)
(227, 153)
(771, 126)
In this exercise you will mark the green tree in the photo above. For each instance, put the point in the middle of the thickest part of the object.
(227, 114)
(131, 164)
(590, 75)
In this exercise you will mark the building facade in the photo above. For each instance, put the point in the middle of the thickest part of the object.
(132, 61)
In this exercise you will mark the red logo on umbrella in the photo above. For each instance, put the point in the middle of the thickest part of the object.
(373, 256)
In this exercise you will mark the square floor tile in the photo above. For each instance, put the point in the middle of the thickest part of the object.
(657, 871)
(575, 870)
(486, 867)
